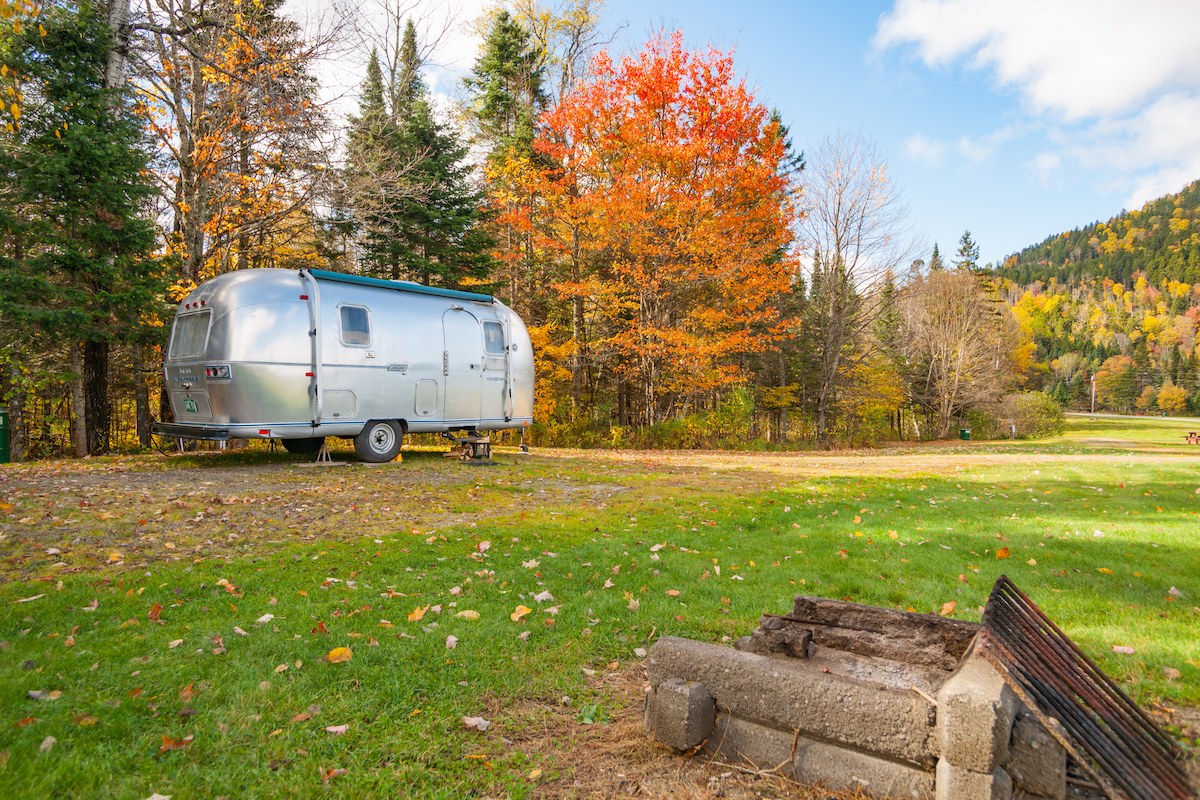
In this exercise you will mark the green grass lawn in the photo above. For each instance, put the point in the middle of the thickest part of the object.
(570, 560)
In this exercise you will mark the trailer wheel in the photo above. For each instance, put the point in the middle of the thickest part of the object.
(379, 441)
(303, 447)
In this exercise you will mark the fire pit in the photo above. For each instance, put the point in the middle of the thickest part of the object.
(851, 696)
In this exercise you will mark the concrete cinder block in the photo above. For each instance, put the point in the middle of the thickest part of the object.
(791, 694)
(975, 715)
(836, 768)
(956, 783)
(1037, 762)
(683, 713)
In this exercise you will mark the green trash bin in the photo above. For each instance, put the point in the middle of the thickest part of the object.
(5, 448)
(964, 434)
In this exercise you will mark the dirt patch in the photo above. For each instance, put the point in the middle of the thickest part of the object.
(617, 759)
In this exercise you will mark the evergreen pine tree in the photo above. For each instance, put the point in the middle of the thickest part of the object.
(507, 85)
(419, 216)
(935, 261)
(73, 178)
(967, 258)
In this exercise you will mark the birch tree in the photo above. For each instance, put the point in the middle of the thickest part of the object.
(959, 342)
(857, 226)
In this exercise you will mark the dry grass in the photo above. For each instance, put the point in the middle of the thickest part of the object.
(618, 759)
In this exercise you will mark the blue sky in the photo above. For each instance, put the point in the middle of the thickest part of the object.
(1015, 119)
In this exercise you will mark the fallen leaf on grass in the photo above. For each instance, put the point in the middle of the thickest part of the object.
(672, 592)
(303, 716)
(239, 631)
(337, 729)
(174, 643)
(320, 628)
(1123, 650)
(339, 655)
(157, 796)
(519, 613)
(187, 692)
(417, 613)
(451, 642)
(264, 619)
(534, 774)
(1105, 570)
(546, 597)
(47, 743)
(948, 608)
(330, 774)
(476, 723)
(1175, 592)
(468, 614)
(1003, 552)
(483, 546)
(169, 744)
(281, 668)
(1172, 673)
(533, 564)
(85, 720)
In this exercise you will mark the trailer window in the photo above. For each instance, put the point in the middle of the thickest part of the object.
(493, 338)
(190, 335)
(356, 325)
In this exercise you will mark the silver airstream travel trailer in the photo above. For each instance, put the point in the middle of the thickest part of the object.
(301, 355)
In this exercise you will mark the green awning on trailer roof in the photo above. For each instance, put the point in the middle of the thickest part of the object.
(400, 286)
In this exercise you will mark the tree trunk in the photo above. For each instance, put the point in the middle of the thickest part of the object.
(141, 395)
(95, 388)
(16, 412)
(79, 438)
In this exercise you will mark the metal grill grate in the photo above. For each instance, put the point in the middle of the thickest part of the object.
(1121, 746)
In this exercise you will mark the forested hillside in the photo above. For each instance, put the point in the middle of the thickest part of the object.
(1117, 301)
(1161, 241)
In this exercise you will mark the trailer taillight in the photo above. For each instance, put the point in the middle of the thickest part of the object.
(218, 372)
(303, 297)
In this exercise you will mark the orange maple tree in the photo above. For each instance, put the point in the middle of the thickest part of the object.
(667, 217)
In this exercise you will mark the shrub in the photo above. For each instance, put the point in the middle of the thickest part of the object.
(1035, 415)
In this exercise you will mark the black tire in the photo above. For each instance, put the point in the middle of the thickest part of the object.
(379, 441)
(304, 447)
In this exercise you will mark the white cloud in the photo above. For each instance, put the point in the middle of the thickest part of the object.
(1118, 84)
(981, 149)
(928, 151)
(1044, 165)
(1078, 58)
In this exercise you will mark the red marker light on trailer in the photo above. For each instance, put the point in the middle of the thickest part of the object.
(264, 433)
(202, 302)
(303, 297)
(308, 375)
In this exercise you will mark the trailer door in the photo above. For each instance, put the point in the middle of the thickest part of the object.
(495, 406)
(462, 366)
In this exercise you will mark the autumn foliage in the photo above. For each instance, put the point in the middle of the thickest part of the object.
(667, 221)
